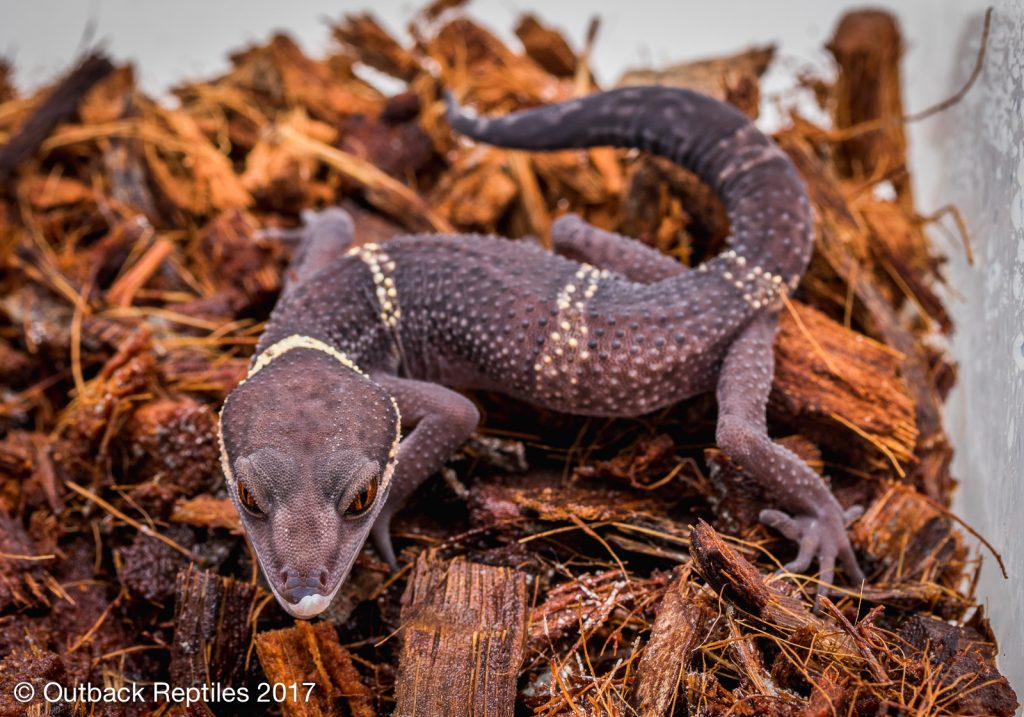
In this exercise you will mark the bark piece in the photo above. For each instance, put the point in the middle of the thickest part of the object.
(920, 555)
(642, 464)
(463, 634)
(205, 511)
(476, 192)
(280, 77)
(174, 441)
(312, 653)
(211, 629)
(961, 663)
(867, 45)
(679, 629)
(843, 246)
(282, 180)
(732, 78)
(547, 47)
(35, 667)
(843, 390)
(150, 570)
(903, 251)
(589, 600)
(383, 191)
(734, 578)
(15, 365)
(23, 579)
(375, 46)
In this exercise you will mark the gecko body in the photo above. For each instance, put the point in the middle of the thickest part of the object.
(349, 403)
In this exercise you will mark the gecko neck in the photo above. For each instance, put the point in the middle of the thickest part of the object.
(299, 341)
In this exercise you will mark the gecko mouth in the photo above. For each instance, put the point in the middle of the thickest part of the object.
(309, 606)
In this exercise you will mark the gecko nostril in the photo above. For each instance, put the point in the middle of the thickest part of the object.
(323, 578)
(285, 575)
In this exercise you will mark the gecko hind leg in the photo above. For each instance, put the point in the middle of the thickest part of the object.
(810, 515)
(574, 238)
(441, 420)
(325, 236)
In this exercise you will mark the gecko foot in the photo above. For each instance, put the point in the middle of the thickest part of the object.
(821, 535)
(381, 535)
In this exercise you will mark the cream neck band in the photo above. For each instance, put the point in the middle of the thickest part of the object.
(299, 341)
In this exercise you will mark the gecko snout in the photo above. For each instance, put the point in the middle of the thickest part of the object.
(304, 594)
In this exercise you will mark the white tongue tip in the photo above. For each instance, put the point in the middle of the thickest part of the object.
(309, 606)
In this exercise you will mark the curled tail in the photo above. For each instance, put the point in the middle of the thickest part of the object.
(764, 197)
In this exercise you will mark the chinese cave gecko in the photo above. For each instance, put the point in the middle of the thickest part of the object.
(347, 406)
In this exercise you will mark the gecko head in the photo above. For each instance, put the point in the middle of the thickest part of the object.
(308, 447)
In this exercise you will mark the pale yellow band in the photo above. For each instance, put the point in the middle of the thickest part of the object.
(298, 341)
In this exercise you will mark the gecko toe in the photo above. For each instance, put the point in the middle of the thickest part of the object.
(821, 538)
(808, 548)
(781, 522)
(850, 565)
(827, 572)
(852, 513)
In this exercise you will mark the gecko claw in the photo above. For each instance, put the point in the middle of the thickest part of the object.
(279, 234)
(821, 536)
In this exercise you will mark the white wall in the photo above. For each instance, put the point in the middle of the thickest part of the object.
(972, 155)
(979, 160)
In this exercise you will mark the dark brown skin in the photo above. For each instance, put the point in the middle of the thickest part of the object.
(624, 334)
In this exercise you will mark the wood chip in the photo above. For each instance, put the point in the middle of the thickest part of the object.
(310, 657)
(463, 632)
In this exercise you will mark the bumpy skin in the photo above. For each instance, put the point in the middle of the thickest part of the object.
(626, 333)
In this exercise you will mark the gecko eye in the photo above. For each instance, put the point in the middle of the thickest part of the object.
(364, 500)
(247, 500)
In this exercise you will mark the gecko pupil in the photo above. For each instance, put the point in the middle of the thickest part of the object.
(247, 499)
(363, 500)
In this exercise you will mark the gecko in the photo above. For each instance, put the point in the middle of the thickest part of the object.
(350, 400)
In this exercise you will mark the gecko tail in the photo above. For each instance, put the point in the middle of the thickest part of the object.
(762, 192)
(682, 125)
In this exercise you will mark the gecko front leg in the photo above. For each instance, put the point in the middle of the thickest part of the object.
(441, 420)
(574, 238)
(324, 237)
(813, 517)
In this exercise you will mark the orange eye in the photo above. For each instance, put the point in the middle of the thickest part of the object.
(363, 500)
(247, 500)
